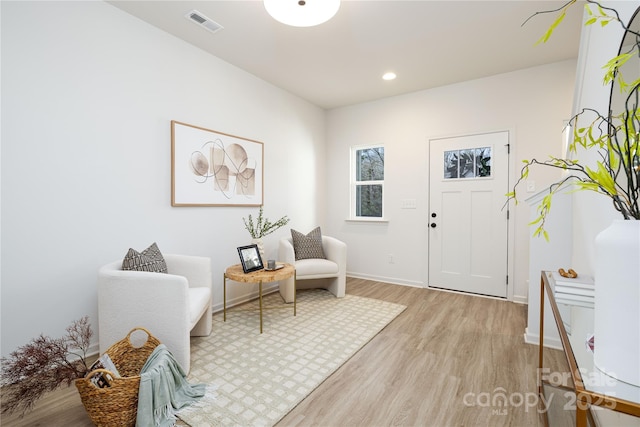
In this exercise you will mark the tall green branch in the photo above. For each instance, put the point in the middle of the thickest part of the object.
(263, 226)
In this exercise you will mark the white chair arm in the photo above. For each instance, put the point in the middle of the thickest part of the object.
(285, 251)
(336, 251)
(140, 285)
(196, 269)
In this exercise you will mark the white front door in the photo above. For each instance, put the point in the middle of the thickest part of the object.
(469, 178)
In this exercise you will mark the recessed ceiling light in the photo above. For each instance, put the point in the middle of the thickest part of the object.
(389, 76)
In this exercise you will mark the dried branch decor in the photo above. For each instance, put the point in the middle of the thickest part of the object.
(43, 365)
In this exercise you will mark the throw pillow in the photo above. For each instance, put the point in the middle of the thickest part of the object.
(307, 245)
(150, 259)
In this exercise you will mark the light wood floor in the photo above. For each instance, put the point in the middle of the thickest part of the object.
(440, 363)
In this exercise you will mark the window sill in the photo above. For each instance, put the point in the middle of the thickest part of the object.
(367, 220)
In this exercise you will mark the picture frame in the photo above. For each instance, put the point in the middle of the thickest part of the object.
(211, 168)
(250, 258)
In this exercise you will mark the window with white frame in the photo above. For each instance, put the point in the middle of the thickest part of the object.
(367, 181)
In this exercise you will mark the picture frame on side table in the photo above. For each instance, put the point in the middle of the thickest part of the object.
(210, 168)
(250, 258)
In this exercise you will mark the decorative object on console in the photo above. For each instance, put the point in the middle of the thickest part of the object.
(250, 258)
(573, 290)
(569, 274)
(302, 13)
(43, 365)
(617, 301)
(210, 168)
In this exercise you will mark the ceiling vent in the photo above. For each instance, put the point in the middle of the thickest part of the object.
(203, 21)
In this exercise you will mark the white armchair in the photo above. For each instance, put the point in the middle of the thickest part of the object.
(329, 273)
(171, 306)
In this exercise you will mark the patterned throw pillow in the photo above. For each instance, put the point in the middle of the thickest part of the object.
(309, 245)
(148, 260)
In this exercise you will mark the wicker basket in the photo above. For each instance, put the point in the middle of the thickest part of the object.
(117, 405)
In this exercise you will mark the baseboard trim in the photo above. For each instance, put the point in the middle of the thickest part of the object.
(520, 299)
(534, 339)
(390, 280)
(274, 287)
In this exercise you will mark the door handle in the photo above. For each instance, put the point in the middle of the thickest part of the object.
(433, 225)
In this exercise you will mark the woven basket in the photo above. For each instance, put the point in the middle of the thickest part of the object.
(117, 405)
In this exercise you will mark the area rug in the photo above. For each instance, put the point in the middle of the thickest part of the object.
(258, 378)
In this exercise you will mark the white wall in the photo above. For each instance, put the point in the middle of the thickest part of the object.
(532, 103)
(592, 213)
(88, 93)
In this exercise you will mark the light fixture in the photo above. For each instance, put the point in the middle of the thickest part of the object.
(302, 13)
(389, 76)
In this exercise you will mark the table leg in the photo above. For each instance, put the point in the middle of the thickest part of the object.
(581, 414)
(260, 291)
(294, 292)
(224, 282)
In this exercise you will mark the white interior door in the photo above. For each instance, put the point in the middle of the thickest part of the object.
(468, 227)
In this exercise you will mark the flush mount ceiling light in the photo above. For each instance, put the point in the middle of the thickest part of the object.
(389, 76)
(302, 13)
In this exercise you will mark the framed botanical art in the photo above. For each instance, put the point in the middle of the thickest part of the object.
(210, 168)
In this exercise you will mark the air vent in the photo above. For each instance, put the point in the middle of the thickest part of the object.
(202, 20)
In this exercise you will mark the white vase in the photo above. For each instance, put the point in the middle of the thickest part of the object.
(617, 301)
(260, 245)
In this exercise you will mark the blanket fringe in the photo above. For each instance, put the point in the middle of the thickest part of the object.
(210, 394)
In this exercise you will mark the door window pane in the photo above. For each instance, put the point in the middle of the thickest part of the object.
(467, 163)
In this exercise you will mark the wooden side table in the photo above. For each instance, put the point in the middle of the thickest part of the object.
(236, 274)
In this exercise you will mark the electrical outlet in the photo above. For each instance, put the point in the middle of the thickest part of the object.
(408, 204)
(531, 186)
(391, 259)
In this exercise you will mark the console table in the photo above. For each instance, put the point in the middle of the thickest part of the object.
(594, 397)
(237, 274)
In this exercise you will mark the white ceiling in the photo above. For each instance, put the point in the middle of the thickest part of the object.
(427, 43)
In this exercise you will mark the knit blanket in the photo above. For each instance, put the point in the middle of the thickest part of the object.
(164, 390)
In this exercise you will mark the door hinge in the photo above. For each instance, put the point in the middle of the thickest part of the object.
(508, 148)
(507, 281)
(507, 214)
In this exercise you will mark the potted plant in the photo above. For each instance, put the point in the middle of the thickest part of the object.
(262, 227)
(614, 137)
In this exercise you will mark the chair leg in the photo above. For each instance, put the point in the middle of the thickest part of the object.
(287, 289)
(337, 287)
(204, 325)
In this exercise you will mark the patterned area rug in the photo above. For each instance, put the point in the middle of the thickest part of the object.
(259, 378)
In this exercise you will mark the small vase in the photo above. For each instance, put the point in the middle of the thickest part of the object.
(260, 245)
(617, 301)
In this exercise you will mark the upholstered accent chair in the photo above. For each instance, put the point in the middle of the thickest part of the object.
(172, 306)
(329, 273)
